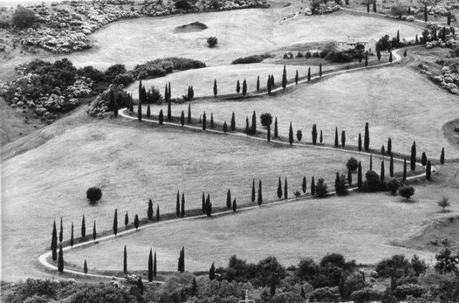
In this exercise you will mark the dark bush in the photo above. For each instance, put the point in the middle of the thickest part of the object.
(393, 186)
(321, 189)
(93, 194)
(161, 67)
(212, 41)
(373, 183)
(414, 290)
(366, 295)
(325, 294)
(266, 119)
(113, 71)
(251, 59)
(352, 164)
(306, 270)
(23, 17)
(183, 4)
(124, 79)
(406, 192)
(92, 73)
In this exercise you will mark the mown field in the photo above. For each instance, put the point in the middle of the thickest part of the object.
(347, 101)
(239, 33)
(360, 226)
(133, 163)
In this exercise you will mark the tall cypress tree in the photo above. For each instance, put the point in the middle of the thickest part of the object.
(268, 85)
(83, 228)
(343, 139)
(150, 266)
(189, 114)
(336, 137)
(212, 272)
(260, 193)
(313, 186)
(208, 206)
(268, 134)
(125, 260)
(390, 57)
(309, 74)
(425, 11)
(54, 242)
(428, 170)
(71, 235)
(359, 176)
(61, 232)
(382, 176)
(254, 123)
(115, 222)
(389, 146)
(212, 120)
(258, 83)
(234, 206)
(413, 157)
(204, 121)
(290, 134)
(136, 222)
(60, 260)
(233, 122)
(284, 78)
(404, 169)
(360, 142)
(285, 188)
(279, 189)
(304, 185)
(155, 265)
(228, 199)
(177, 205)
(215, 88)
(94, 231)
(391, 166)
(371, 162)
(320, 70)
(225, 127)
(244, 87)
(182, 118)
(424, 159)
(157, 213)
(238, 87)
(139, 111)
(321, 138)
(366, 140)
(349, 178)
(148, 111)
(161, 117)
(314, 134)
(442, 156)
(296, 77)
(85, 267)
(169, 109)
(150, 210)
(182, 209)
(253, 191)
(276, 130)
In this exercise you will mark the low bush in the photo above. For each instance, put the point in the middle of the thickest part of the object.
(161, 67)
(251, 59)
(325, 294)
(321, 189)
(393, 186)
(406, 192)
(403, 291)
(373, 182)
(113, 71)
(93, 194)
(123, 79)
(366, 295)
(212, 41)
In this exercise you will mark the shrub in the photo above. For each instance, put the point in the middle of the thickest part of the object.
(325, 294)
(306, 270)
(414, 290)
(393, 186)
(443, 203)
(353, 283)
(352, 164)
(114, 71)
(92, 73)
(93, 194)
(23, 17)
(212, 41)
(406, 192)
(366, 295)
(124, 79)
(321, 189)
(266, 119)
(251, 59)
(373, 182)
(183, 4)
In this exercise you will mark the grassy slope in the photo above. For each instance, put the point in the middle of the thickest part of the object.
(360, 226)
(348, 101)
(132, 163)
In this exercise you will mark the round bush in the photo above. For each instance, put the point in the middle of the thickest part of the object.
(352, 164)
(94, 194)
(212, 41)
(406, 192)
(23, 17)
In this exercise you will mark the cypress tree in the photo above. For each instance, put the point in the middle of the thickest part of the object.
(169, 109)
(268, 134)
(260, 193)
(212, 120)
(253, 191)
(321, 138)
(94, 231)
(212, 272)
(204, 121)
(337, 184)
(71, 235)
(126, 220)
(150, 266)
(390, 57)
(285, 189)
(140, 285)
(273, 83)
(155, 265)
(371, 162)
(85, 266)
(238, 87)
(309, 74)
(343, 139)
(83, 228)
(336, 137)
(157, 213)
(244, 88)
(359, 176)
(268, 85)
(349, 178)
(383, 172)
(233, 122)
(139, 112)
(228, 199)
(254, 123)
(404, 169)
(284, 78)
(374, 6)
(182, 209)
(296, 77)
(60, 260)
(279, 189)
(150, 210)
(304, 185)
(215, 88)
(366, 59)
(425, 11)
(189, 113)
(413, 157)
(203, 205)
(182, 118)
(378, 54)
(442, 156)
(391, 166)
(424, 159)
(136, 222)
(360, 142)
(61, 232)
(258, 83)
(276, 130)
(417, 39)
(115, 222)
(148, 111)
(161, 117)
(313, 186)
(405, 53)
(398, 36)
(320, 70)
(366, 140)
(181, 260)
(448, 18)
(314, 134)
(290, 134)
(54, 242)
(208, 206)
(234, 206)
(368, 6)
(428, 170)
(177, 205)
(389, 146)
(125, 260)
(225, 127)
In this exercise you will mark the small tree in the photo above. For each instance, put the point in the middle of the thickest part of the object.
(290, 134)
(60, 260)
(94, 231)
(406, 192)
(212, 41)
(182, 118)
(321, 189)
(296, 77)
(238, 87)
(428, 170)
(260, 193)
(126, 219)
(215, 88)
(444, 203)
(313, 187)
(115, 222)
(228, 199)
(161, 117)
(233, 122)
(212, 272)
(299, 135)
(279, 189)
(314, 134)
(393, 186)
(304, 185)
(258, 83)
(136, 222)
(85, 267)
(150, 210)
(340, 185)
(266, 119)
(93, 194)
(157, 213)
(352, 164)
(234, 206)
(244, 87)
(442, 156)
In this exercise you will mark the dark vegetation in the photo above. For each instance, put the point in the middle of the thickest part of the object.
(162, 67)
(191, 27)
(251, 59)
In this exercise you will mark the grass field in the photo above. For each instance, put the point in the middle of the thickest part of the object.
(239, 33)
(132, 163)
(360, 226)
(347, 102)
